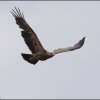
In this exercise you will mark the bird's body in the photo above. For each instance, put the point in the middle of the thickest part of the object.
(35, 57)
(33, 43)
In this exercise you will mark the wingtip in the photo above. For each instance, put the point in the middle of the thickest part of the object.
(17, 13)
(82, 41)
(83, 38)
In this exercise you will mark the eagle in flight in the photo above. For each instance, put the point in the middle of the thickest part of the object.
(33, 43)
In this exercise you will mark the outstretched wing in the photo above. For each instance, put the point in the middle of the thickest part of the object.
(28, 34)
(76, 46)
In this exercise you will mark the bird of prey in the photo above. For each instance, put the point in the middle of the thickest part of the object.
(38, 53)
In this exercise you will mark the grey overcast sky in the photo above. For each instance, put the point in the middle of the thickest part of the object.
(71, 75)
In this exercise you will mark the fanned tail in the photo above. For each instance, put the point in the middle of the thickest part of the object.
(27, 58)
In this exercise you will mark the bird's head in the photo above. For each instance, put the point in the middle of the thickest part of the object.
(50, 54)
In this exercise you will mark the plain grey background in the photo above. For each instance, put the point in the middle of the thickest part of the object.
(71, 75)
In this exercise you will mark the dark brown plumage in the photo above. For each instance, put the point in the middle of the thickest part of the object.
(33, 43)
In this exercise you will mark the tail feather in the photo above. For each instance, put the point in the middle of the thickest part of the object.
(27, 58)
